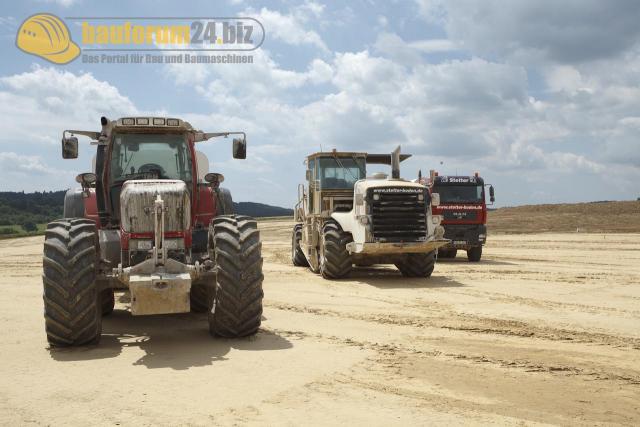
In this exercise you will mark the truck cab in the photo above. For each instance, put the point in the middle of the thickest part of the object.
(463, 210)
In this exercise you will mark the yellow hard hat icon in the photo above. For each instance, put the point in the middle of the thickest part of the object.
(46, 36)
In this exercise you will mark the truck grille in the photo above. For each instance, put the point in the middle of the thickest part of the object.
(397, 215)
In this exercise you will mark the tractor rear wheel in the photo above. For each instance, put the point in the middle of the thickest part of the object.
(226, 201)
(297, 256)
(236, 309)
(107, 301)
(474, 254)
(335, 260)
(417, 265)
(72, 307)
(199, 294)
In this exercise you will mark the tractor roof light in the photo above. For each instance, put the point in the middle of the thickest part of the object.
(128, 121)
(142, 121)
(173, 122)
(158, 121)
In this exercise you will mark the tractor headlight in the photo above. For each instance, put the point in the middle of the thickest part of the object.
(364, 220)
(376, 196)
(421, 197)
(439, 232)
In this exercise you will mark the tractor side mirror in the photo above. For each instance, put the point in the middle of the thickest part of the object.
(239, 148)
(435, 199)
(69, 147)
(308, 175)
(215, 179)
(492, 196)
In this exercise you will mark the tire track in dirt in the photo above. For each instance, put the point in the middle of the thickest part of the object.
(388, 354)
(473, 324)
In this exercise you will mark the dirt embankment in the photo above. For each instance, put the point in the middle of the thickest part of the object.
(594, 217)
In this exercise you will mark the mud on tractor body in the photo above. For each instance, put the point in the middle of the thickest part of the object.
(150, 219)
(344, 218)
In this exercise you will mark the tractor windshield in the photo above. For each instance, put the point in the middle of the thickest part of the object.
(341, 173)
(150, 156)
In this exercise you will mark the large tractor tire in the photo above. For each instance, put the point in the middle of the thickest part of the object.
(297, 256)
(236, 309)
(335, 261)
(199, 295)
(226, 202)
(418, 265)
(107, 301)
(72, 306)
(474, 254)
(73, 203)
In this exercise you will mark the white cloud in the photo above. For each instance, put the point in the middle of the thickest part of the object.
(63, 3)
(570, 31)
(292, 28)
(36, 106)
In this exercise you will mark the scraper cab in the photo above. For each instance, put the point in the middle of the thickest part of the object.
(151, 220)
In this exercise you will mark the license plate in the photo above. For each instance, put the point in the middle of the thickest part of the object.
(459, 242)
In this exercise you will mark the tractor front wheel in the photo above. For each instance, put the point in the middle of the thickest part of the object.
(72, 303)
(236, 309)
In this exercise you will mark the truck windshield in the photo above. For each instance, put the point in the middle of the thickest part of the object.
(459, 193)
(150, 156)
(340, 173)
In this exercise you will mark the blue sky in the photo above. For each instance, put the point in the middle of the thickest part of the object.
(542, 98)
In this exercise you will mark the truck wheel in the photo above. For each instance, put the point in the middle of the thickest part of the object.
(107, 301)
(418, 265)
(72, 308)
(297, 256)
(335, 260)
(236, 309)
(474, 254)
(199, 296)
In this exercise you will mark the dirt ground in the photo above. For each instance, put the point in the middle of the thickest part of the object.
(545, 330)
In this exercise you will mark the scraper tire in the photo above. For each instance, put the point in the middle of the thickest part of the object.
(335, 263)
(417, 265)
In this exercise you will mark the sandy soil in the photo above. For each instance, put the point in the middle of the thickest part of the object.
(546, 329)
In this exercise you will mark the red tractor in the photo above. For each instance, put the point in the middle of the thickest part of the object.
(463, 210)
(150, 219)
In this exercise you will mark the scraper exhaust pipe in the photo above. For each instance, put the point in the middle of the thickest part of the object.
(395, 163)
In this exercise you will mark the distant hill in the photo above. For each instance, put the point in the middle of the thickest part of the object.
(260, 210)
(19, 208)
(593, 217)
